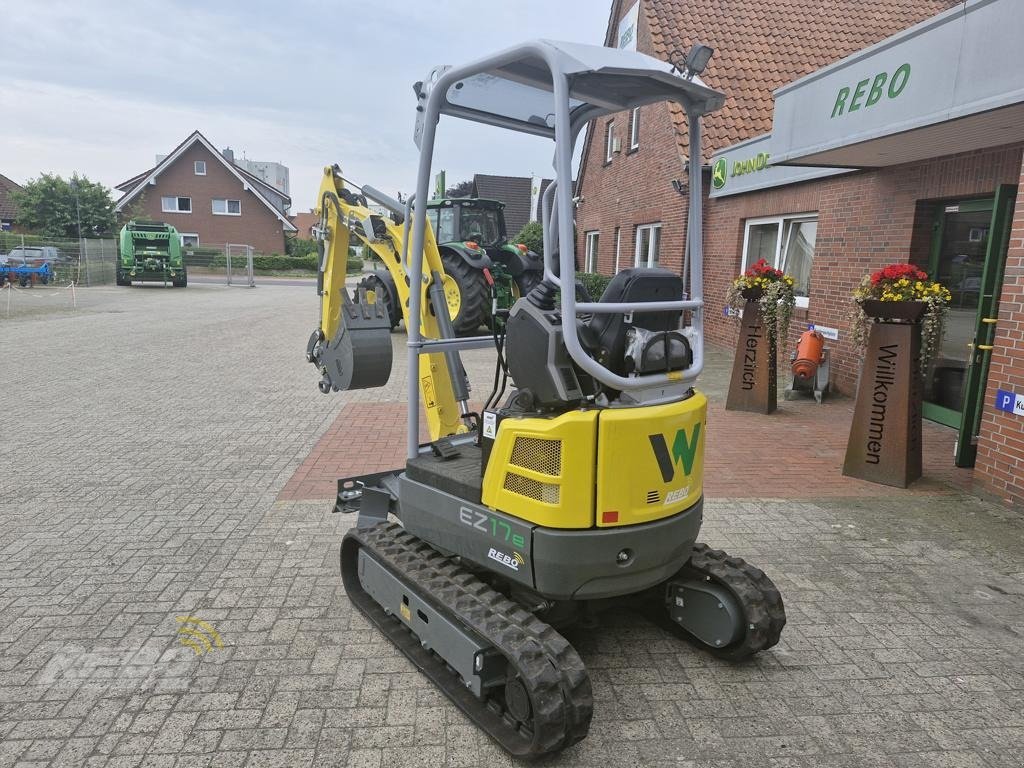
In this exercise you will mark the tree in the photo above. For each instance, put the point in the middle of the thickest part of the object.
(532, 236)
(462, 189)
(47, 206)
(299, 246)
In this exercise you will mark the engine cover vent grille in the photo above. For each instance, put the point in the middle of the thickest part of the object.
(544, 456)
(532, 489)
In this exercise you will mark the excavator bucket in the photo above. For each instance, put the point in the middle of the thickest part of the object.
(359, 355)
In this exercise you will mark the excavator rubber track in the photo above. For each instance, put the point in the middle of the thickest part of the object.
(757, 595)
(546, 666)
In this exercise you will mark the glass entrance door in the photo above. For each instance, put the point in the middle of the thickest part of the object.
(968, 256)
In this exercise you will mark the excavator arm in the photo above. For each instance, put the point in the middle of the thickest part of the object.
(352, 346)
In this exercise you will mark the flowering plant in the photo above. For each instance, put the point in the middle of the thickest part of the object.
(904, 282)
(773, 290)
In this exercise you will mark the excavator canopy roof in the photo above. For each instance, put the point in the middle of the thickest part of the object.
(513, 88)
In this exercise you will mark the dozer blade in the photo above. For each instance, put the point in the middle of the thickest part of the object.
(512, 674)
(359, 355)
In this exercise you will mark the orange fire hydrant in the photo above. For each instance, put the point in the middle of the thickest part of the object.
(809, 355)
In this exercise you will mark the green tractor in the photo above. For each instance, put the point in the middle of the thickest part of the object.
(477, 255)
(150, 250)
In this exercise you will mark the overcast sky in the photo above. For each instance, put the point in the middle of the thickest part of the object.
(101, 87)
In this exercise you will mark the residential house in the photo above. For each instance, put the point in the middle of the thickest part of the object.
(304, 223)
(8, 211)
(209, 199)
(522, 201)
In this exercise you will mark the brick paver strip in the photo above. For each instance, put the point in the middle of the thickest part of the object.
(152, 435)
(797, 452)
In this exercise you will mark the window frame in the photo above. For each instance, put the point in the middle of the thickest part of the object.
(609, 141)
(195, 167)
(634, 130)
(780, 220)
(226, 211)
(177, 202)
(183, 235)
(657, 225)
(590, 252)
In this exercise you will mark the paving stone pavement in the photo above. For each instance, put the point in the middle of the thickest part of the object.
(145, 443)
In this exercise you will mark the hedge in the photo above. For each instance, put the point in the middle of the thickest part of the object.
(276, 262)
(594, 283)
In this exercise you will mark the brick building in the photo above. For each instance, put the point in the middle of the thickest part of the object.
(863, 134)
(8, 210)
(208, 199)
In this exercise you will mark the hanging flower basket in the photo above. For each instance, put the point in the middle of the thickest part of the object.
(909, 311)
(901, 292)
(772, 290)
(752, 294)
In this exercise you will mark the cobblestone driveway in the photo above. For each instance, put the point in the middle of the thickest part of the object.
(144, 443)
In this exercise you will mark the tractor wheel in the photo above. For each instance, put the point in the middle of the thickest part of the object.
(121, 278)
(180, 282)
(527, 281)
(468, 298)
(23, 281)
(376, 290)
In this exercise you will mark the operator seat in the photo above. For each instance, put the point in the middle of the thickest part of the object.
(658, 345)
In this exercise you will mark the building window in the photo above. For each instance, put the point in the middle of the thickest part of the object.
(200, 167)
(590, 264)
(609, 141)
(189, 239)
(634, 130)
(176, 204)
(223, 207)
(787, 243)
(648, 244)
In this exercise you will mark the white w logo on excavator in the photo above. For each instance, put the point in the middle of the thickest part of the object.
(684, 451)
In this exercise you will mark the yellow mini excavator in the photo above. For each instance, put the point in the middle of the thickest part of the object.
(578, 484)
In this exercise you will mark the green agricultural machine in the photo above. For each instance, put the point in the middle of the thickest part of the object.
(150, 250)
(487, 269)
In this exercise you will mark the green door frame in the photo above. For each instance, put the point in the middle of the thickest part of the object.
(968, 420)
(985, 329)
(932, 411)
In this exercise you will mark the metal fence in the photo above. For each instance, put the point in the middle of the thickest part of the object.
(93, 261)
(85, 262)
(239, 265)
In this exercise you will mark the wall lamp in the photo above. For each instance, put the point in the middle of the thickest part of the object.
(695, 62)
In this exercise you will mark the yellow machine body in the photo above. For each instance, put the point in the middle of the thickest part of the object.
(599, 467)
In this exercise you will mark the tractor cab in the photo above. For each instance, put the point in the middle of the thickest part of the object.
(468, 219)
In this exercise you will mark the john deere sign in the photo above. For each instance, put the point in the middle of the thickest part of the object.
(747, 167)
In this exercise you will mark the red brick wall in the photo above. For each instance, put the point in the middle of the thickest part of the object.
(635, 187)
(1000, 465)
(865, 220)
(257, 226)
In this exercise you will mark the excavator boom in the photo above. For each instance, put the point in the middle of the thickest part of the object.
(352, 346)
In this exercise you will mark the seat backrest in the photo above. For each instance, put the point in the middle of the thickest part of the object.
(634, 285)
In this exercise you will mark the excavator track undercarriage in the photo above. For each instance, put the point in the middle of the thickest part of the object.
(515, 676)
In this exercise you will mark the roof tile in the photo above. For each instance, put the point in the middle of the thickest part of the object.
(761, 45)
